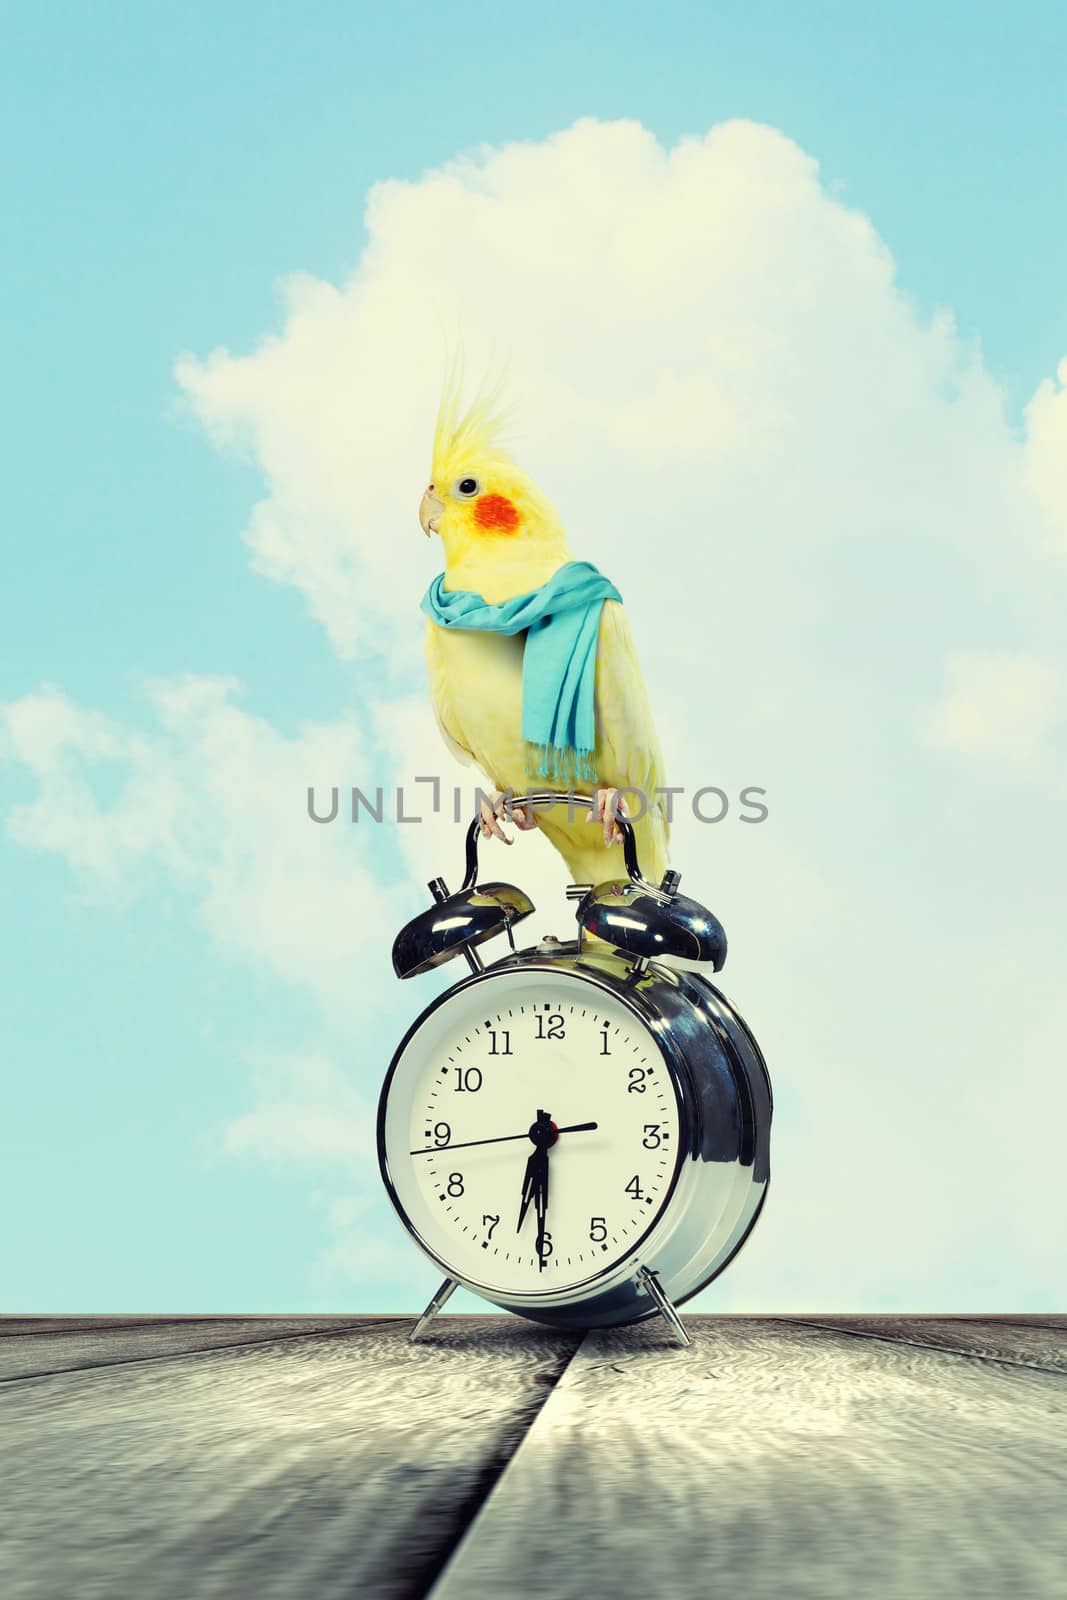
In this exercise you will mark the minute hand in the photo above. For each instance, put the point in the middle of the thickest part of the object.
(541, 1202)
(506, 1138)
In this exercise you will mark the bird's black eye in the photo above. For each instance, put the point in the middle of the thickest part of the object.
(467, 488)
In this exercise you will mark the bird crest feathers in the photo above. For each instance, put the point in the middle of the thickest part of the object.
(469, 437)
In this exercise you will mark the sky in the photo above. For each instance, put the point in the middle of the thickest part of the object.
(781, 291)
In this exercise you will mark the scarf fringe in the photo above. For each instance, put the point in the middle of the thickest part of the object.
(560, 764)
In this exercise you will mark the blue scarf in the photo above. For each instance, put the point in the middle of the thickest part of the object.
(561, 620)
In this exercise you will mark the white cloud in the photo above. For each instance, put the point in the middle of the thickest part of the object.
(69, 748)
(1046, 449)
(308, 1112)
(308, 1115)
(815, 507)
(997, 705)
(711, 361)
(216, 797)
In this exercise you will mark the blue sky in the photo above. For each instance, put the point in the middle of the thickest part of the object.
(162, 170)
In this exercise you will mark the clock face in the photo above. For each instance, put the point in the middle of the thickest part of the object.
(529, 1131)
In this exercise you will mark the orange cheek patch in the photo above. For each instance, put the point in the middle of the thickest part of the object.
(496, 511)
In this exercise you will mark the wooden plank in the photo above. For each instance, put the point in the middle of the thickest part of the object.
(1041, 1319)
(325, 1466)
(20, 1326)
(12, 1327)
(49, 1350)
(776, 1459)
(993, 1340)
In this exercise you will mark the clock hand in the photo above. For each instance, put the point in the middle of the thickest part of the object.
(541, 1203)
(529, 1186)
(467, 1144)
(535, 1178)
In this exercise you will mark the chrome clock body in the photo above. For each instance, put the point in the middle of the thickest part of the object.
(704, 1103)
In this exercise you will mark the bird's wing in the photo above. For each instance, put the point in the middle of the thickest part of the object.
(628, 750)
(441, 696)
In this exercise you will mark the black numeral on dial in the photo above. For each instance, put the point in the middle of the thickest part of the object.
(653, 1136)
(455, 1184)
(550, 1027)
(636, 1084)
(467, 1078)
(441, 1133)
(546, 1247)
(598, 1229)
(496, 1048)
(634, 1188)
(489, 1223)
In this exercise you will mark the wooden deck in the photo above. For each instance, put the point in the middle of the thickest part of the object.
(874, 1457)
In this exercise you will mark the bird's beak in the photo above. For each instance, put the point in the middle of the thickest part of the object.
(430, 510)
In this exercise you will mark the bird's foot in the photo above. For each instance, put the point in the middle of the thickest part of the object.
(498, 807)
(607, 805)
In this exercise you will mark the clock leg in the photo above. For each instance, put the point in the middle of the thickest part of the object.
(650, 1283)
(434, 1307)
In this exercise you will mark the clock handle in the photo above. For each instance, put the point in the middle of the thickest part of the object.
(542, 799)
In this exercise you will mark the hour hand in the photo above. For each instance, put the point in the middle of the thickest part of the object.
(534, 1185)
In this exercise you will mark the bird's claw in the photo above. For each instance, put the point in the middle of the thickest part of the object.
(607, 805)
(498, 806)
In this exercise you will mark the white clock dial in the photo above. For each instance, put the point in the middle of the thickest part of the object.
(536, 1096)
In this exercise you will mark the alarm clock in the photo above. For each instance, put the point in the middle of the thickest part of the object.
(579, 1131)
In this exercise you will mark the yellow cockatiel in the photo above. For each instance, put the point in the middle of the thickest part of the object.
(502, 539)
